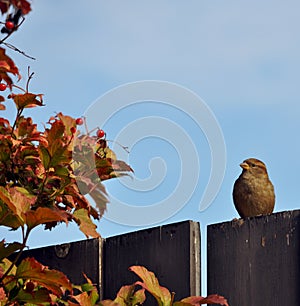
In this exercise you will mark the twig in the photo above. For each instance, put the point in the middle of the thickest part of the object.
(30, 75)
(126, 149)
(17, 50)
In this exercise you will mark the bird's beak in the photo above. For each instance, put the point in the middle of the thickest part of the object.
(244, 166)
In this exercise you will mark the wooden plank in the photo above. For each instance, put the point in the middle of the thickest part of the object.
(256, 261)
(172, 252)
(73, 259)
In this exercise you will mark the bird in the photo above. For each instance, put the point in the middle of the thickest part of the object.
(253, 192)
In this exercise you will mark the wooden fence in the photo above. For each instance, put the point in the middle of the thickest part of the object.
(172, 252)
(252, 262)
(256, 262)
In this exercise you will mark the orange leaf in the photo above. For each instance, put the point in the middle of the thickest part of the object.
(27, 100)
(85, 223)
(151, 284)
(7, 249)
(67, 121)
(18, 201)
(8, 218)
(56, 131)
(45, 215)
(127, 296)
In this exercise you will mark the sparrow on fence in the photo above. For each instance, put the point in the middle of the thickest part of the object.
(253, 192)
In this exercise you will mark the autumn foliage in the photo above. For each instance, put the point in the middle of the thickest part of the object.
(45, 176)
(135, 294)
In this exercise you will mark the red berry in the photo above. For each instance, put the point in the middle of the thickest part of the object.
(79, 121)
(2, 86)
(59, 199)
(73, 129)
(100, 133)
(9, 25)
(29, 287)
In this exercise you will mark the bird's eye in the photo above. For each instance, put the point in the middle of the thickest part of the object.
(253, 165)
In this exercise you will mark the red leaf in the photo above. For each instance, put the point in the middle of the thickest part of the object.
(199, 300)
(24, 5)
(53, 280)
(7, 66)
(2, 295)
(4, 5)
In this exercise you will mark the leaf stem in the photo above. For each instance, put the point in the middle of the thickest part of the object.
(30, 75)
(25, 238)
(19, 113)
(172, 298)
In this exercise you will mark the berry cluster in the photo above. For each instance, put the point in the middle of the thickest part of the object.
(100, 133)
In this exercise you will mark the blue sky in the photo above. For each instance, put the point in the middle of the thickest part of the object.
(241, 58)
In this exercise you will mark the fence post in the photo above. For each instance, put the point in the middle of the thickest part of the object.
(256, 261)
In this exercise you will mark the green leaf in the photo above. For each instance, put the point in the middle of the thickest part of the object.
(36, 297)
(55, 132)
(62, 171)
(45, 157)
(59, 153)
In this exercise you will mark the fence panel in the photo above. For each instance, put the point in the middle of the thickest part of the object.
(256, 261)
(172, 252)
